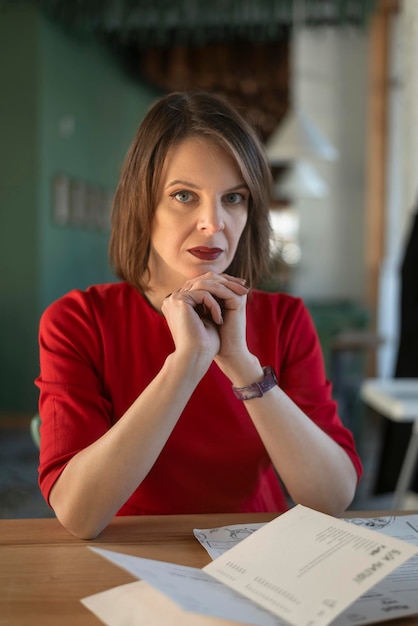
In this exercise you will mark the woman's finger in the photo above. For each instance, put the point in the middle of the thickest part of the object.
(219, 286)
(202, 301)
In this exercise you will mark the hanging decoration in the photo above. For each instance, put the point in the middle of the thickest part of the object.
(297, 137)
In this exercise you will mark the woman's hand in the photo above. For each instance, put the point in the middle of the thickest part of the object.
(209, 312)
(193, 316)
(206, 303)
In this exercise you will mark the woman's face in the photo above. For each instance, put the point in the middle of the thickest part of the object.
(200, 215)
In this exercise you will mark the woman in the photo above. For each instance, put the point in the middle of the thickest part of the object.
(159, 392)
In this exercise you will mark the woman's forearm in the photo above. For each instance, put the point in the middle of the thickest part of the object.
(316, 471)
(98, 480)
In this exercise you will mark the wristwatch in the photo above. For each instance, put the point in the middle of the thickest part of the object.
(257, 390)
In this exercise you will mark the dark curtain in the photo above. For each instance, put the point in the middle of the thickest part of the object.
(396, 436)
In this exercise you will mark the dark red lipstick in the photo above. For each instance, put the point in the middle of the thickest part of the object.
(206, 254)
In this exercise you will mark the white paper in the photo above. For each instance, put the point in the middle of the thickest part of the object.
(193, 589)
(395, 596)
(309, 568)
(139, 604)
(217, 541)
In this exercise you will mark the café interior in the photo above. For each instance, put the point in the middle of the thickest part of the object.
(331, 87)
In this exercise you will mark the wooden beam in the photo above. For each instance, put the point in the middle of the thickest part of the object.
(376, 158)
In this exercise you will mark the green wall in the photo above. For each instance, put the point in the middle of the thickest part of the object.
(65, 107)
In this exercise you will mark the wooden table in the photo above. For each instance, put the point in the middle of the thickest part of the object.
(45, 571)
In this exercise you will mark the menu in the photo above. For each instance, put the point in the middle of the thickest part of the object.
(304, 568)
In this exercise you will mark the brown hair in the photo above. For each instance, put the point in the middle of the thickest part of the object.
(172, 119)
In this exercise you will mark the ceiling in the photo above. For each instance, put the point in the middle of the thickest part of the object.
(236, 47)
(196, 22)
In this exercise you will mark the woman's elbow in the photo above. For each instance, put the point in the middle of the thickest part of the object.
(80, 527)
(74, 517)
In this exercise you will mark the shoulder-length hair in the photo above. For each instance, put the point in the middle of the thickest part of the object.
(170, 120)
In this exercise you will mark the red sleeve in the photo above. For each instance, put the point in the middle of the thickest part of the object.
(70, 359)
(305, 381)
(288, 339)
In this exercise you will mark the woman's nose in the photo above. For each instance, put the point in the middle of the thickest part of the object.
(211, 218)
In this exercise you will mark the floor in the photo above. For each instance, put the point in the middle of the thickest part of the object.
(20, 496)
(19, 491)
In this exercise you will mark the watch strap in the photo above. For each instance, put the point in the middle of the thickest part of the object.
(257, 390)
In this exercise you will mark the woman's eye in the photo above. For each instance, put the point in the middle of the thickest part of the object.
(183, 196)
(234, 198)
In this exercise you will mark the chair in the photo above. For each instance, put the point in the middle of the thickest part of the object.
(35, 424)
(397, 400)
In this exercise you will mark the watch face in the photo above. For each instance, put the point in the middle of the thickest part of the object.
(269, 379)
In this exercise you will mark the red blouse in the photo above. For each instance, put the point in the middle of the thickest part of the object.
(101, 347)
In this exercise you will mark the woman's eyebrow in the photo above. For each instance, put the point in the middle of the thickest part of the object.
(186, 183)
(239, 186)
(179, 181)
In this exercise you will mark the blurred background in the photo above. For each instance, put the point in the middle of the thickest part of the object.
(331, 87)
